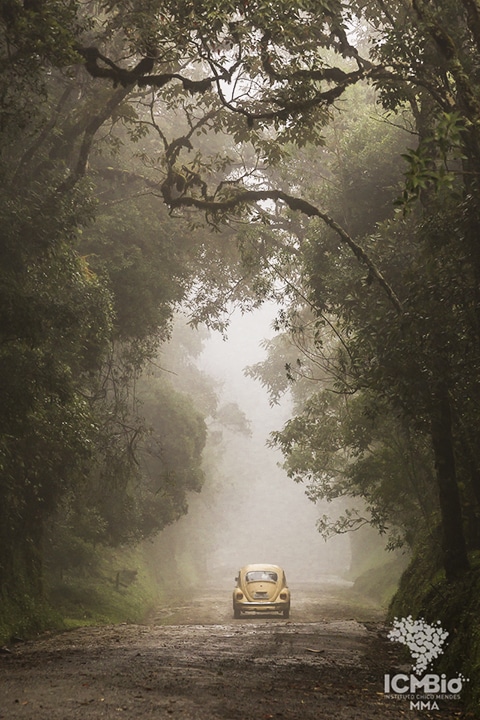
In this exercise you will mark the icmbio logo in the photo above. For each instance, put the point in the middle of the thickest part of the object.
(426, 643)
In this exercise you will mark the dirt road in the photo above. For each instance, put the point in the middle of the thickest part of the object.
(203, 665)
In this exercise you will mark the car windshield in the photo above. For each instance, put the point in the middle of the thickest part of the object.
(261, 575)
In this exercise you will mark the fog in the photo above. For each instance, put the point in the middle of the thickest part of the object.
(265, 516)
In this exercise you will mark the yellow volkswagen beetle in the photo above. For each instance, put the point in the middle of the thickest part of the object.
(261, 588)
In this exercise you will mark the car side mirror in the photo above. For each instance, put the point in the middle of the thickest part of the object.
(236, 579)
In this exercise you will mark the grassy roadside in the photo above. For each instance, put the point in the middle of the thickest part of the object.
(121, 587)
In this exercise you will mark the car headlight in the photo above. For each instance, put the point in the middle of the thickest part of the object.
(239, 596)
(283, 596)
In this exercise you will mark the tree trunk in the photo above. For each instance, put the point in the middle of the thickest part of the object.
(454, 549)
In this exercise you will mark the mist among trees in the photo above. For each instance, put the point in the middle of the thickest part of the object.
(191, 157)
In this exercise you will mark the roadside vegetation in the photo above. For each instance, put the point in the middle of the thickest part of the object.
(122, 588)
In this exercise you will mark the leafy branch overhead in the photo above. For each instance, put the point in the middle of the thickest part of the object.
(281, 69)
(248, 197)
(229, 46)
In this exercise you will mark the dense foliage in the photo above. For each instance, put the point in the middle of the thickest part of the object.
(84, 307)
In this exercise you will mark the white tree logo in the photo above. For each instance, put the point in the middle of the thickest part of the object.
(423, 640)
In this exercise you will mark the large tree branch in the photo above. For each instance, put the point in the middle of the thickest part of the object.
(247, 197)
(275, 107)
(100, 66)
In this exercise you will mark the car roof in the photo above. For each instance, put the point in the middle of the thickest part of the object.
(261, 566)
